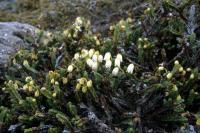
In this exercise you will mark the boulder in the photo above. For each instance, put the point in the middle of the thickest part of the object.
(8, 5)
(13, 37)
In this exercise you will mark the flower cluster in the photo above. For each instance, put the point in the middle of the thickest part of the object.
(94, 59)
(84, 85)
(178, 69)
(29, 84)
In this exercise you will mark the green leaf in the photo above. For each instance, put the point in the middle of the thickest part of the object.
(61, 117)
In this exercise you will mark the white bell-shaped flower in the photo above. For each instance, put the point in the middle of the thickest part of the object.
(130, 68)
(96, 52)
(108, 64)
(119, 56)
(89, 62)
(117, 62)
(100, 58)
(89, 83)
(115, 71)
(91, 52)
(84, 53)
(94, 66)
(76, 56)
(79, 21)
(95, 58)
(107, 56)
(70, 68)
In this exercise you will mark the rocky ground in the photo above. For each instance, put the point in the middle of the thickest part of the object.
(13, 36)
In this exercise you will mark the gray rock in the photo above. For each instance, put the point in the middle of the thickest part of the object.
(13, 37)
(8, 5)
(188, 129)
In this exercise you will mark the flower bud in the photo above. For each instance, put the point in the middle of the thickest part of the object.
(16, 86)
(180, 69)
(49, 34)
(3, 89)
(145, 39)
(145, 46)
(30, 88)
(52, 81)
(111, 28)
(65, 32)
(76, 56)
(178, 98)
(54, 94)
(21, 102)
(33, 100)
(69, 35)
(95, 58)
(147, 10)
(65, 80)
(192, 76)
(169, 75)
(189, 69)
(123, 27)
(32, 82)
(89, 62)
(119, 56)
(140, 39)
(107, 56)
(130, 68)
(115, 71)
(166, 94)
(25, 63)
(28, 79)
(161, 68)
(82, 81)
(89, 84)
(84, 53)
(56, 83)
(129, 20)
(100, 58)
(175, 88)
(79, 21)
(78, 86)
(70, 68)
(176, 62)
(37, 93)
(94, 66)
(117, 62)
(91, 52)
(84, 89)
(108, 64)
(96, 52)
(183, 72)
(25, 87)
(98, 42)
(95, 37)
(43, 89)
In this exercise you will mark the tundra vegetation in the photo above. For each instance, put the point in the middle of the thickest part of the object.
(140, 74)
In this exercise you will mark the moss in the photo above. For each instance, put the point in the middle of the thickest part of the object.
(24, 5)
(9, 16)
